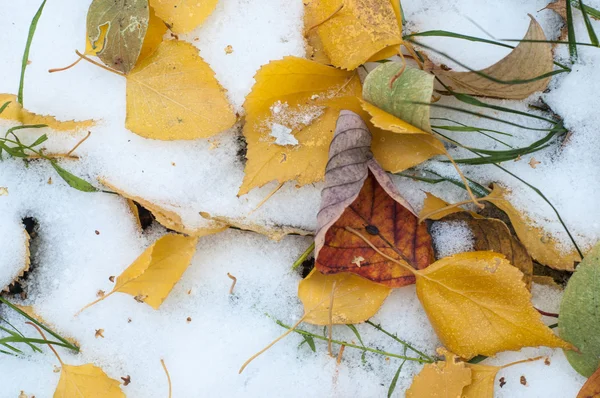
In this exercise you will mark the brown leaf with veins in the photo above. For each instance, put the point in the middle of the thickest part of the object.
(358, 194)
(591, 388)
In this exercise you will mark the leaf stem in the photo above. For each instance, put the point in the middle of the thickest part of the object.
(99, 64)
(303, 256)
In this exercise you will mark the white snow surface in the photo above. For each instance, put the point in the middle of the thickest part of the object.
(203, 356)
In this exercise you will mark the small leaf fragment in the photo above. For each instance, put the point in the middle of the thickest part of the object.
(174, 95)
(482, 381)
(478, 305)
(126, 22)
(591, 388)
(441, 379)
(183, 16)
(86, 381)
(355, 299)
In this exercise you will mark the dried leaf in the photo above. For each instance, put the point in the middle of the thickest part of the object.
(174, 95)
(527, 61)
(126, 22)
(542, 247)
(478, 305)
(86, 381)
(355, 299)
(579, 319)
(482, 381)
(153, 274)
(591, 388)
(154, 35)
(494, 235)
(360, 195)
(360, 31)
(441, 379)
(15, 111)
(407, 95)
(183, 16)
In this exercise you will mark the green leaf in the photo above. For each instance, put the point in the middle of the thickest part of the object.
(72, 180)
(25, 59)
(579, 316)
(311, 342)
(413, 86)
(126, 22)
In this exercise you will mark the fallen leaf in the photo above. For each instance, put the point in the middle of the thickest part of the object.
(167, 218)
(478, 305)
(358, 194)
(126, 22)
(406, 97)
(432, 208)
(542, 247)
(183, 16)
(154, 35)
(591, 388)
(441, 379)
(15, 111)
(494, 235)
(86, 381)
(359, 31)
(153, 274)
(546, 281)
(355, 299)
(482, 381)
(527, 61)
(579, 315)
(174, 95)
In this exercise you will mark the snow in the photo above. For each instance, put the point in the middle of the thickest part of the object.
(451, 237)
(204, 355)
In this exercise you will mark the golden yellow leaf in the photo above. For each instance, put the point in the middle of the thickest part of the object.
(167, 218)
(15, 111)
(482, 381)
(86, 381)
(544, 248)
(352, 32)
(441, 379)
(355, 299)
(183, 16)
(478, 305)
(174, 95)
(154, 35)
(433, 204)
(153, 274)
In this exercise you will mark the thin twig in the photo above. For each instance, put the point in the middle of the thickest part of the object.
(262, 202)
(44, 337)
(168, 376)
(234, 279)
(331, 317)
(339, 356)
(66, 67)
(79, 143)
(99, 64)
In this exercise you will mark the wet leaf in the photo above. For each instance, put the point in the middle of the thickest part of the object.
(406, 96)
(478, 305)
(126, 22)
(15, 111)
(358, 194)
(153, 274)
(86, 381)
(579, 319)
(360, 31)
(591, 388)
(482, 381)
(441, 379)
(355, 299)
(493, 235)
(174, 95)
(183, 16)
(527, 61)
(542, 247)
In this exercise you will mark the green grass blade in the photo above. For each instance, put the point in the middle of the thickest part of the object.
(71, 179)
(4, 106)
(588, 25)
(395, 379)
(571, 33)
(32, 28)
(592, 12)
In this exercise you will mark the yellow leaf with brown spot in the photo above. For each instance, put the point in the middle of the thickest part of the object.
(151, 277)
(355, 299)
(183, 16)
(441, 379)
(478, 305)
(86, 381)
(352, 32)
(482, 381)
(542, 246)
(174, 95)
(15, 111)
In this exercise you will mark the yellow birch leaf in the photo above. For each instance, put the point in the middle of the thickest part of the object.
(482, 381)
(151, 277)
(174, 95)
(154, 35)
(441, 379)
(544, 248)
(86, 381)
(433, 204)
(355, 299)
(167, 218)
(183, 16)
(478, 305)
(15, 111)
(359, 31)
